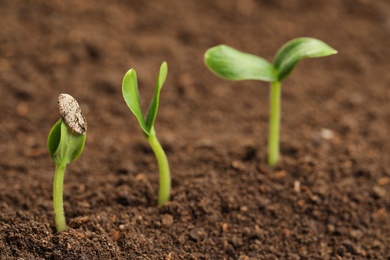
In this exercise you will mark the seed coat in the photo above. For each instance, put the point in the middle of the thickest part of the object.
(70, 111)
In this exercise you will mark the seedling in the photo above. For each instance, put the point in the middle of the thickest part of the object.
(131, 96)
(232, 64)
(65, 144)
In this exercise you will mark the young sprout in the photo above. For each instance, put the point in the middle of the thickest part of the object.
(65, 144)
(131, 96)
(232, 64)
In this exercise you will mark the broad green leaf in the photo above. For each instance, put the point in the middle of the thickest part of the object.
(64, 145)
(232, 64)
(153, 107)
(131, 95)
(295, 50)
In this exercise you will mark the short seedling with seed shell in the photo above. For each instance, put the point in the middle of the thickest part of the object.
(232, 64)
(65, 144)
(131, 95)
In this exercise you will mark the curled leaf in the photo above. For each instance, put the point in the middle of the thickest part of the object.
(297, 49)
(153, 107)
(64, 145)
(131, 96)
(54, 138)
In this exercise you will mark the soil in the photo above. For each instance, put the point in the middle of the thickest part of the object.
(328, 198)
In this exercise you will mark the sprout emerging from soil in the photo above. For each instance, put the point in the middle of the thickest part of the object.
(131, 96)
(232, 64)
(65, 144)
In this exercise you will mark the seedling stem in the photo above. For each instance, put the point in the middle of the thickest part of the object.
(162, 161)
(274, 124)
(58, 203)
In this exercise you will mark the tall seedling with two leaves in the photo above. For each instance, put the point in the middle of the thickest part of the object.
(232, 64)
(131, 95)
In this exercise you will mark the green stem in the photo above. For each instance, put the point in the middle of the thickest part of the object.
(165, 178)
(58, 203)
(274, 123)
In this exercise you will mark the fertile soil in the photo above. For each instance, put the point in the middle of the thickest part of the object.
(328, 198)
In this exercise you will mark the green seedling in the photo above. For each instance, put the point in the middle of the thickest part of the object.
(131, 96)
(232, 64)
(65, 144)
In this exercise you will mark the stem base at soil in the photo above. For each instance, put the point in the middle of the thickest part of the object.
(165, 178)
(58, 203)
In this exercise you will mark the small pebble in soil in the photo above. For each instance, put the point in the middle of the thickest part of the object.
(167, 220)
(327, 134)
(22, 109)
(172, 256)
(384, 181)
(379, 192)
(331, 228)
(198, 234)
(78, 221)
(224, 227)
(243, 208)
(238, 165)
(350, 247)
(286, 232)
(115, 235)
(278, 175)
(297, 186)
(379, 213)
(204, 143)
(356, 234)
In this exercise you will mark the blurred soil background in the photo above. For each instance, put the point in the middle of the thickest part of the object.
(329, 198)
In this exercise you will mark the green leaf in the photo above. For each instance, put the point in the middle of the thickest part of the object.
(297, 49)
(64, 145)
(54, 137)
(232, 64)
(153, 107)
(131, 95)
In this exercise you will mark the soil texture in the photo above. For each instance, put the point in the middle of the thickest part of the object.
(328, 198)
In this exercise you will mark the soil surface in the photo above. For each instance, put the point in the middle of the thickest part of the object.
(328, 198)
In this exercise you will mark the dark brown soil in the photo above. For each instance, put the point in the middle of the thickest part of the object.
(329, 198)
